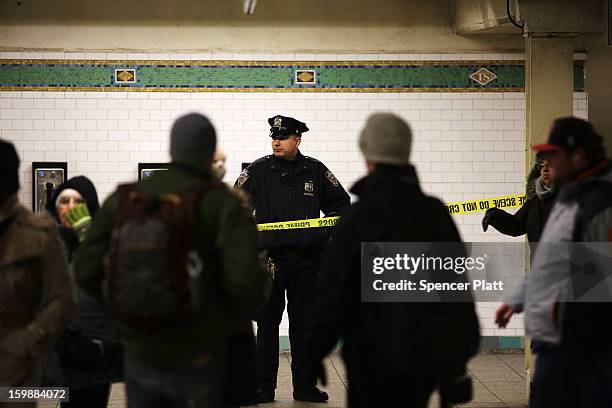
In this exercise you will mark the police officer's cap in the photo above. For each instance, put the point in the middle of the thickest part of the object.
(285, 126)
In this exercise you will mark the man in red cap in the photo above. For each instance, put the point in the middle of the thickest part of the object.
(566, 296)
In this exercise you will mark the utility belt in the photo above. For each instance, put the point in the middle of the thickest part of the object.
(290, 254)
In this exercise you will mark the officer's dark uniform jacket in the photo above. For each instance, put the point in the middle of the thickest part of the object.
(282, 191)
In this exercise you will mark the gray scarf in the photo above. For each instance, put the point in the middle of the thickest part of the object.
(543, 192)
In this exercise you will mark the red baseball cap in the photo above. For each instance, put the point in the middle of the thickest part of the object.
(568, 134)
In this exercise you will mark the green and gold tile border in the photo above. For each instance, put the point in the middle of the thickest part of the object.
(268, 76)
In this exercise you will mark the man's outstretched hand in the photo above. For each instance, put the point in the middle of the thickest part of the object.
(503, 315)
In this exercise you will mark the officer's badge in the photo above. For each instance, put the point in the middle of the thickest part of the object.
(278, 122)
(309, 188)
(243, 177)
(332, 179)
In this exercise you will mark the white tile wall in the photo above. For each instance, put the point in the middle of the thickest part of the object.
(466, 145)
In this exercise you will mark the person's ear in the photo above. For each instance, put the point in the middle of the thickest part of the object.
(579, 158)
(298, 140)
(207, 163)
(370, 166)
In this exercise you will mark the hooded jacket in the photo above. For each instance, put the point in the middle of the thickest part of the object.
(86, 188)
(90, 319)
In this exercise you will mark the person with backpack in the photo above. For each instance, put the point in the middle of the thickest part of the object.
(88, 356)
(396, 354)
(36, 298)
(175, 259)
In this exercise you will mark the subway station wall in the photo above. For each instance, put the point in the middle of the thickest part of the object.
(103, 113)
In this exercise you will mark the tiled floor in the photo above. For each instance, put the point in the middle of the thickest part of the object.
(499, 381)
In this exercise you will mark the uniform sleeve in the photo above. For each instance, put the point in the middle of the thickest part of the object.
(242, 275)
(89, 263)
(58, 299)
(334, 197)
(245, 182)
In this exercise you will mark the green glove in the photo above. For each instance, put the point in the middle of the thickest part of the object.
(79, 220)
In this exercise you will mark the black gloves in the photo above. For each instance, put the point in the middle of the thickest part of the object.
(490, 217)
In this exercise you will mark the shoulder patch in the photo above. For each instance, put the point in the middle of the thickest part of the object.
(244, 175)
(332, 179)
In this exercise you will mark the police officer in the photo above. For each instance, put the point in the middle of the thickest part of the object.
(288, 186)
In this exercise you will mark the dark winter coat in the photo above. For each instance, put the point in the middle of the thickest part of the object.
(35, 293)
(228, 245)
(391, 208)
(281, 194)
(529, 219)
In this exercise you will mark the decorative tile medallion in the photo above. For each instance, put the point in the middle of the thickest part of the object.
(483, 76)
(125, 76)
(305, 77)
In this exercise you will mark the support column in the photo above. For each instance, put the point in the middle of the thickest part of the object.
(599, 86)
(549, 86)
(549, 89)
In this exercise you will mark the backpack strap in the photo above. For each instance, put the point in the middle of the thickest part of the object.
(193, 196)
(124, 192)
(191, 199)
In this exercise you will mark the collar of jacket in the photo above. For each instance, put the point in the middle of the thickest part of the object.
(585, 180)
(389, 178)
(596, 170)
(302, 166)
(8, 209)
(21, 239)
(195, 168)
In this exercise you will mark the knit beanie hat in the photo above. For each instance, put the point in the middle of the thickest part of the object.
(386, 139)
(192, 139)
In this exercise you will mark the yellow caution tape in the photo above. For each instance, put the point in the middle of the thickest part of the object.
(312, 223)
(475, 206)
(459, 207)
